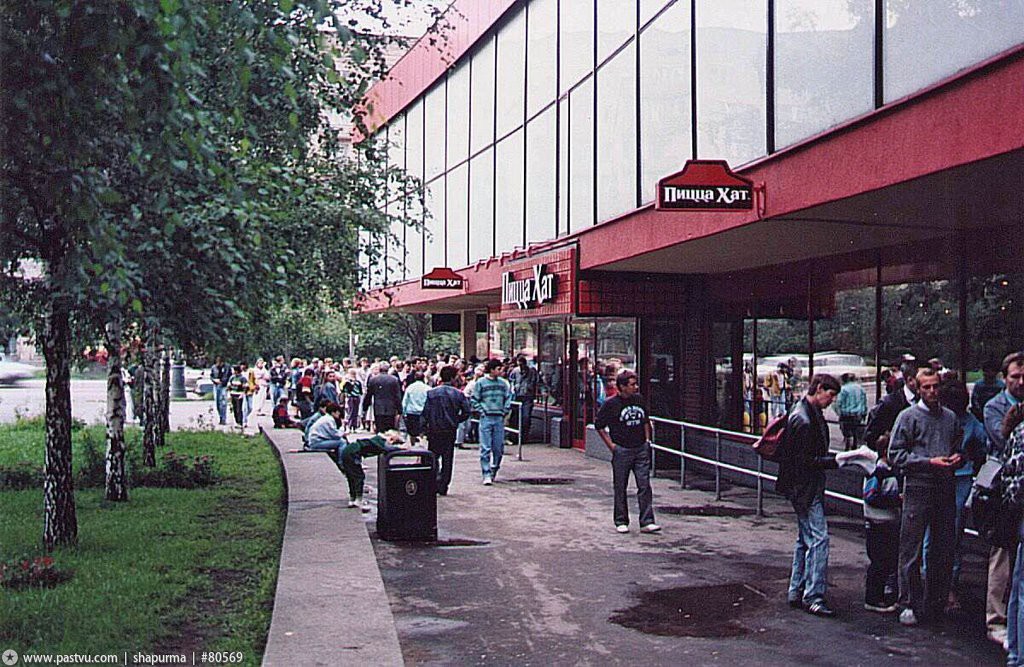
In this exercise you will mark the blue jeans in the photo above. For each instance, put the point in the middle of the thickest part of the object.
(247, 410)
(275, 395)
(334, 447)
(1015, 613)
(810, 555)
(220, 397)
(492, 444)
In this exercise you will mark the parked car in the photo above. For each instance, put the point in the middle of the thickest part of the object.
(11, 372)
(198, 380)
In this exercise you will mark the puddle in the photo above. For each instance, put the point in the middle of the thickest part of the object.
(707, 510)
(544, 481)
(697, 611)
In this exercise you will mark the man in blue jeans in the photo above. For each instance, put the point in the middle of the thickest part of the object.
(220, 373)
(629, 441)
(492, 398)
(802, 481)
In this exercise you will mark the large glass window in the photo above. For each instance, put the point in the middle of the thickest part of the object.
(511, 73)
(665, 119)
(616, 22)
(577, 47)
(434, 241)
(540, 177)
(921, 319)
(481, 206)
(731, 66)
(434, 131)
(414, 238)
(483, 97)
(508, 193)
(814, 93)
(581, 156)
(927, 41)
(563, 168)
(542, 61)
(995, 311)
(396, 246)
(648, 8)
(396, 157)
(458, 115)
(616, 135)
(458, 216)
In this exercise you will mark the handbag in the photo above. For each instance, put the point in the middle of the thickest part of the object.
(996, 522)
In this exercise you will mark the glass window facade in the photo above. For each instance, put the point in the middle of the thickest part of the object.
(665, 96)
(541, 55)
(508, 193)
(616, 135)
(457, 218)
(731, 64)
(560, 187)
(540, 176)
(433, 242)
(814, 93)
(511, 81)
(928, 41)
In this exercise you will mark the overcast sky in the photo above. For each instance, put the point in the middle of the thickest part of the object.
(410, 18)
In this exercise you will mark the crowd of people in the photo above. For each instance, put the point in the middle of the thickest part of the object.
(928, 439)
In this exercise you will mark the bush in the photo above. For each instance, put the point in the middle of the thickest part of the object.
(21, 475)
(172, 471)
(27, 572)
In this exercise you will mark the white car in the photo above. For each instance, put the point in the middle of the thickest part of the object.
(12, 372)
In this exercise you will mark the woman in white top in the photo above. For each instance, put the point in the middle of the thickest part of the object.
(262, 376)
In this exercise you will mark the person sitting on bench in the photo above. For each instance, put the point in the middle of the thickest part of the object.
(281, 417)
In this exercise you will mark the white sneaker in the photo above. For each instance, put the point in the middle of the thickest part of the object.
(907, 617)
(353, 503)
(650, 528)
(364, 506)
(622, 528)
(997, 634)
(487, 481)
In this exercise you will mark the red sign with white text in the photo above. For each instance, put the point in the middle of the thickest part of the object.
(705, 185)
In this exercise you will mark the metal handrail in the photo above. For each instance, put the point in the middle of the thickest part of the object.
(517, 431)
(719, 465)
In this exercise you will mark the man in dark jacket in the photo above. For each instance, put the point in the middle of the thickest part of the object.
(445, 409)
(384, 393)
(883, 416)
(220, 374)
(802, 481)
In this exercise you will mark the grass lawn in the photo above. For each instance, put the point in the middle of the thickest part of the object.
(169, 571)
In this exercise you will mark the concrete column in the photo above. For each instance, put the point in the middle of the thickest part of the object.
(467, 334)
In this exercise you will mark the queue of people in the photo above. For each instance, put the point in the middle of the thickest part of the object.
(929, 444)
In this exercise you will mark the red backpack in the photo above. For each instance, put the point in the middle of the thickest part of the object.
(771, 446)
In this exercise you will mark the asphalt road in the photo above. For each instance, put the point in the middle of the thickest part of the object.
(88, 403)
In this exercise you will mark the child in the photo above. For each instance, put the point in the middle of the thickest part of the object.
(882, 502)
(351, 458)
(281, 417)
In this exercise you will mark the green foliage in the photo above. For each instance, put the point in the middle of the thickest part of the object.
(197, 561)
(402, 334)
(31, 572)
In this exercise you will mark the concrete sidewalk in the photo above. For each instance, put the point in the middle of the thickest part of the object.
(330, 607)
(531, 571)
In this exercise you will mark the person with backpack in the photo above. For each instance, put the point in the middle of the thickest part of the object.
(802, 480)
(882, 502)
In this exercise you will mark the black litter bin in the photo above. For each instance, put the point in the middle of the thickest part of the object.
(407, 496)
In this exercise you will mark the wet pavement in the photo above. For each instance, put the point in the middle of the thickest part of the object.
(530, 571)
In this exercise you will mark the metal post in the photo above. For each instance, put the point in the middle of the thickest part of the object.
(682, 457)
(520, 434)
(718, 469)
(760, 487)
(654, 439)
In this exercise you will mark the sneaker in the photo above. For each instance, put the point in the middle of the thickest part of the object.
(881, 607)
(907, 617)
(650, 528)
(622, 528)
(353, 503)
(364, 506)
(487, 481)
(820, 608)
(997, 634)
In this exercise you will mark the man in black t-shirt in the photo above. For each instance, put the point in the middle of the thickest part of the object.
(630, 445)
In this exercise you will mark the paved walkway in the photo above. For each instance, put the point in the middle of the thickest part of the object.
(531, 571)
(330, 607)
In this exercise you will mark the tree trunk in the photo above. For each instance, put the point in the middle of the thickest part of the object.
(60, 524)
(149, 398)
(165, 395)
(116, 486)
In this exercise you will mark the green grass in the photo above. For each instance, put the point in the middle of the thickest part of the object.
(171, 570)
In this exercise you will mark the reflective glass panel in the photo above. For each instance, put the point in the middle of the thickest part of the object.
(577, 47)
(481, 206)
(482, 131)
(616, 22)
(511, 73)
(458, 216)
(540, 177)
(581, 156)
(434, 241)
(542, 61)
(434, 124)
(458, 115)
(508, 192)
(616, 135)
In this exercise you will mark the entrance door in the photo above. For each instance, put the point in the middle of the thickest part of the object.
(581, 380)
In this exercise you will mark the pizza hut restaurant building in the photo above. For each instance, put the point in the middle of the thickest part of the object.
(843, 211)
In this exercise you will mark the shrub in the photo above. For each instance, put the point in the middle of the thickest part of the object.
(27, 572)
(21, 475)
(178, 471)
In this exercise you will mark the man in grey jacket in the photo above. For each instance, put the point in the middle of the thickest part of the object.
(1001, 559)
(925, 447)
(384, 393)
